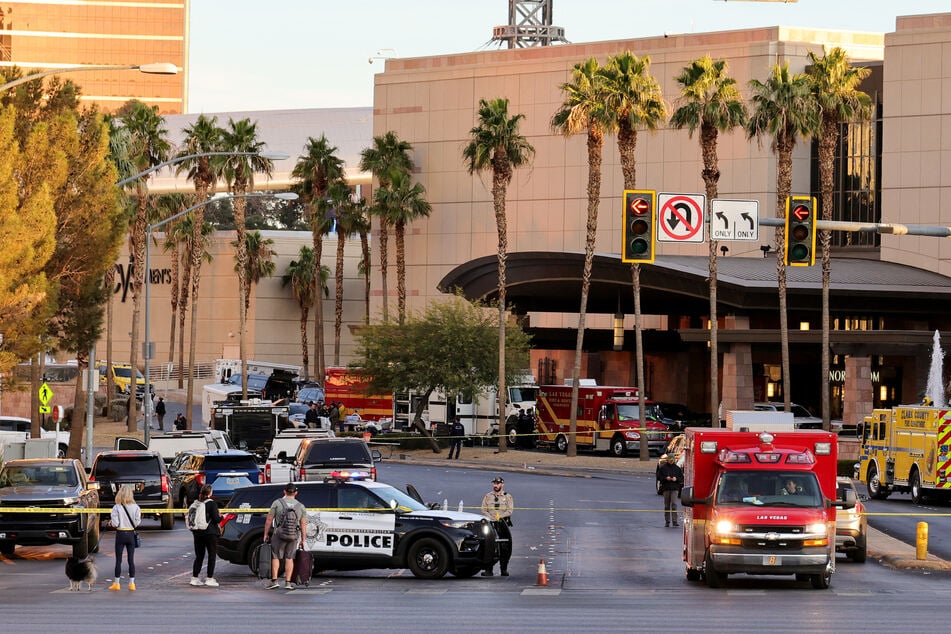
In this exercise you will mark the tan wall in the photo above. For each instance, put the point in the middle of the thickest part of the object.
(431, 102)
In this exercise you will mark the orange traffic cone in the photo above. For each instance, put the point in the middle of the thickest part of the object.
(542, 574)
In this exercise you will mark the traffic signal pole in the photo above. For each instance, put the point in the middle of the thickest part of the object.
(897, 229)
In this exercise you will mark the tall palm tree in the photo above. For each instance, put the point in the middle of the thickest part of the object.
(783, 108)
(239, 170)
(835, 87)
(363, 230)
(169, 205)
(349, 220)
(585, 109)
(201, 137)
(316, 169)
(301, 275)
(260, 262)
(710, 101)
(148, 146)
(180, 233)
(388, 155)
(496, 144)
(404, 202)
(636, 100)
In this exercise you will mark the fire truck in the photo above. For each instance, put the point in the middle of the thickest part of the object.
(760, 503)
(906, 449)
(348, 386)
(608, 419)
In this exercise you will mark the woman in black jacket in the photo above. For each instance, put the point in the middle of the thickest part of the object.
(206, 539)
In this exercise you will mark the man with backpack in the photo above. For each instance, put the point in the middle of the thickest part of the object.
(288, 517)
(202, 520)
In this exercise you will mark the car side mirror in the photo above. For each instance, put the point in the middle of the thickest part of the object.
(686, 496)
(849, 501)
(393, 505)
(377, 456)
(282, 456)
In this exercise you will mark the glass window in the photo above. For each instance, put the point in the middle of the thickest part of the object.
(108, 467)
(349, 497)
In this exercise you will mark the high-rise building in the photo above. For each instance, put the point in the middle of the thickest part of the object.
(38, 35)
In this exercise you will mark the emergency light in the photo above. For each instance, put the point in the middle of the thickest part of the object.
(352, 476)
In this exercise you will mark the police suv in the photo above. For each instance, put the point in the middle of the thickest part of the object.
(356, 524)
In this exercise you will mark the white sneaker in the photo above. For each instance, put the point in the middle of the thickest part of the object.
(210, 581)
(195, 581)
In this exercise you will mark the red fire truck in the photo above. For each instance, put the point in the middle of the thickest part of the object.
(760, 503)
(608, 419)
(347, 386)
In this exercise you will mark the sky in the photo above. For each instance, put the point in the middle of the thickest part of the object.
(253, 55)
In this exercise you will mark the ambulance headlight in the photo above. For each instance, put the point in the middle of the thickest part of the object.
(724, 527)
(819, 528)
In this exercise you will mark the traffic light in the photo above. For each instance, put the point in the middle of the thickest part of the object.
(800, 231)
(637, 230)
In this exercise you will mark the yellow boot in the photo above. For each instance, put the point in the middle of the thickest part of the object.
(132, 586)
(115, 585)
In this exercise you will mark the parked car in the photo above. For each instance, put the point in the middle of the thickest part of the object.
(305, 396)
(225, 471)
(170, 444)
(317, 458)
(145, 471)
(802, 418)
(678, 416)
(851, 525)
(280, 459)
(397, 532)
(48, 483)
(122, 379)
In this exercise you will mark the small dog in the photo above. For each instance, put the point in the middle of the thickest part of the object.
(79, 570)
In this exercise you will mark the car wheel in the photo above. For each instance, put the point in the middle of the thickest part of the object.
(61, 453)
(859, 554)
(917, 495)
(428, 559)
(168, 519)
(512, 437)
(618, 447)
(714, 579)
(7, 547)
(561, 443)
(875, 488)
(693, 574)
(820, 582)
(465, 572)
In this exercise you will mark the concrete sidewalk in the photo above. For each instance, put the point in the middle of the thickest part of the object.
(884, 548)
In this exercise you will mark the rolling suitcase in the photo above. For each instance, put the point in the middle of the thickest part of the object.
(303, 567)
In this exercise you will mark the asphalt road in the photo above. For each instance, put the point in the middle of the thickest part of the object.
(611, 564)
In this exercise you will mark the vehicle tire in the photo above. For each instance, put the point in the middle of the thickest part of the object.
(428, 559)
(917, 495)
(859, 554)
(693, 574)
(820, 582)
(61, 452)
(875, 489)
(618, 447)
(511, 438)
(802, 577)
(7, 547)
(561, 443)
(168, 519)
(465, 572)
(714, 579)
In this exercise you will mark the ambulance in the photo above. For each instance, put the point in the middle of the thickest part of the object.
(906, 449)
(760, 503)
(608, 419)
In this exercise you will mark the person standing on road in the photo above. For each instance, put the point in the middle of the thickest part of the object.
(160, 413)
(125, 517)
(206, 539)
(671, 479)
(287, 535)
(335, 421)
(456, 433)
(312, 417)
(497, 505)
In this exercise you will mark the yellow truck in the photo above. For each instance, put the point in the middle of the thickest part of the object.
(122, 379)
(906, 449)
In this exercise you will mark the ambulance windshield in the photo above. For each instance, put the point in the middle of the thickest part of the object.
(770, 488)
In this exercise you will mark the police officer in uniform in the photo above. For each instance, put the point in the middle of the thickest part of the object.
(497, 506)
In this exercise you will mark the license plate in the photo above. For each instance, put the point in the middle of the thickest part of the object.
(233, 480)
(772, 560)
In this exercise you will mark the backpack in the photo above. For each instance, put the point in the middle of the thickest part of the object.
(289, 527)
(197, 519)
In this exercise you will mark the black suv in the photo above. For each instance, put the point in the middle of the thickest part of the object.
(317, 458)
(145, 471)
(395, 530)
(48, 483)
(225, 471)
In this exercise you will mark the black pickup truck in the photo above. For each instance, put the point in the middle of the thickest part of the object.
(48, 483)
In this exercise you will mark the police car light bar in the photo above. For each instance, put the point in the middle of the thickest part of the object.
(352, 476)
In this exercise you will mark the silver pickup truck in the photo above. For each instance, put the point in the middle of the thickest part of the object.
(170, 444)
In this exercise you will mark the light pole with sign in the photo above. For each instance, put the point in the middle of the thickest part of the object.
(158, 68)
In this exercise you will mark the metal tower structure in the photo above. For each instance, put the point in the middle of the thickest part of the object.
(529, 25)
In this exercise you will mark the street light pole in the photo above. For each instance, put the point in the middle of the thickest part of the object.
(266, 154)
(159, 68)
(146, 397)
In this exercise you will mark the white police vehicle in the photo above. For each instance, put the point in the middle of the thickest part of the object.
(356, 524)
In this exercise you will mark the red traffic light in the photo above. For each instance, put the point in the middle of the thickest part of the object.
(801, 212)
(639, 206)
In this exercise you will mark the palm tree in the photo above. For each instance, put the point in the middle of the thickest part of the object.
(349, 220)
(496, 144)
(585, 108)
(148, 146)
(835, 85)
(711, 101)
(301, 276)
(201, 137)
(387, 156)
(404, 202)
(260, 262)
(783, 107)
(316, 169)
(180, 233)
(636, 100)
(168, 205)
(239, 169)
(363, 229)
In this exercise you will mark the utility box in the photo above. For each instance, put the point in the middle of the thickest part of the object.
(756, 421)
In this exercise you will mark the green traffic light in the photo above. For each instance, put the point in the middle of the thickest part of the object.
(639, 246)
(799, 253)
